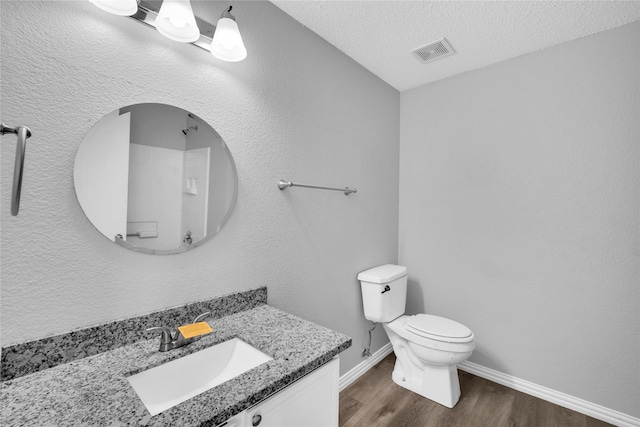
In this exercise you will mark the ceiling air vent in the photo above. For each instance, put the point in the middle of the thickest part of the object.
(436, 50)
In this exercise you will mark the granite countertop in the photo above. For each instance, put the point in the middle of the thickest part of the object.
(94, 390)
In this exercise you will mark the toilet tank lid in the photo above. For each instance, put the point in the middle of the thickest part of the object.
(383, 274)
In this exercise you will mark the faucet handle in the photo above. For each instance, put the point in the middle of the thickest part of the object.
(201, 317)
(166, 334)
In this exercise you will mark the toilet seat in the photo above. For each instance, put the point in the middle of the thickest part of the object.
(438, 328)
(399, 326)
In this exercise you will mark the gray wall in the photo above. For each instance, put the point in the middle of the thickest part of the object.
(296, 109)
(519, 203)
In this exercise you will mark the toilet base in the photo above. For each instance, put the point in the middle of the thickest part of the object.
(436, 382)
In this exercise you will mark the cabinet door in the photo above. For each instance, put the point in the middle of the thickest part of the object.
(310, 402)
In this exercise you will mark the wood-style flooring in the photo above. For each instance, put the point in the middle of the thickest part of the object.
(374, 400)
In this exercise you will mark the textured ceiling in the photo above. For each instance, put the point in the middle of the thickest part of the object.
(380, 34)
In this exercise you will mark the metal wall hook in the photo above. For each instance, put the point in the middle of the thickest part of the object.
(23, 133)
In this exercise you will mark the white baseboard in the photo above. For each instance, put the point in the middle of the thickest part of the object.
(361, 368)
(553, 396)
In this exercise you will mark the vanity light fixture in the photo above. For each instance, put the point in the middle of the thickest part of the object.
(176, 21)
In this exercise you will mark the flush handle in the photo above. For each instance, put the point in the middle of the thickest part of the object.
(256, 419)
(386, 289)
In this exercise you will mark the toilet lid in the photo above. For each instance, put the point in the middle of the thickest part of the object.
(439, 328)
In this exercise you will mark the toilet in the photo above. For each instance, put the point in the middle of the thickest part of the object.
(428, 348)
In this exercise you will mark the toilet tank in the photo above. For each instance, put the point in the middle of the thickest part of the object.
(384, 292)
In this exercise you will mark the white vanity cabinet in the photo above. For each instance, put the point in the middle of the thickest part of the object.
(311, 401)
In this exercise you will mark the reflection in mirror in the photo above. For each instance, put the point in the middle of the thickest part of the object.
(155, 178)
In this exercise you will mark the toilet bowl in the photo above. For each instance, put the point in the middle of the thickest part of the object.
(426, 363)
(427, 347)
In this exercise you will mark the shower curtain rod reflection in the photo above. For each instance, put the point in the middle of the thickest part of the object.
(282, 184)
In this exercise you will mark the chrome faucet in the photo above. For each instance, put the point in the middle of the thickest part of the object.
(169, 340)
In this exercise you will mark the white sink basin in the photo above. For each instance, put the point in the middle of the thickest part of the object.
(166, 385)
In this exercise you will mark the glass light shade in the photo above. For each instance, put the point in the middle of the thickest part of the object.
(176, 21)
(227, 42)
(117, 7)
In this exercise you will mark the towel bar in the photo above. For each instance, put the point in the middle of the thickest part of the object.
(282, 184)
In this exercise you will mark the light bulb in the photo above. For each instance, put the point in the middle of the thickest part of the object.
(177, 21)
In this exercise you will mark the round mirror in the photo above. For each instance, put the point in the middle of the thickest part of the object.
(155, 179)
